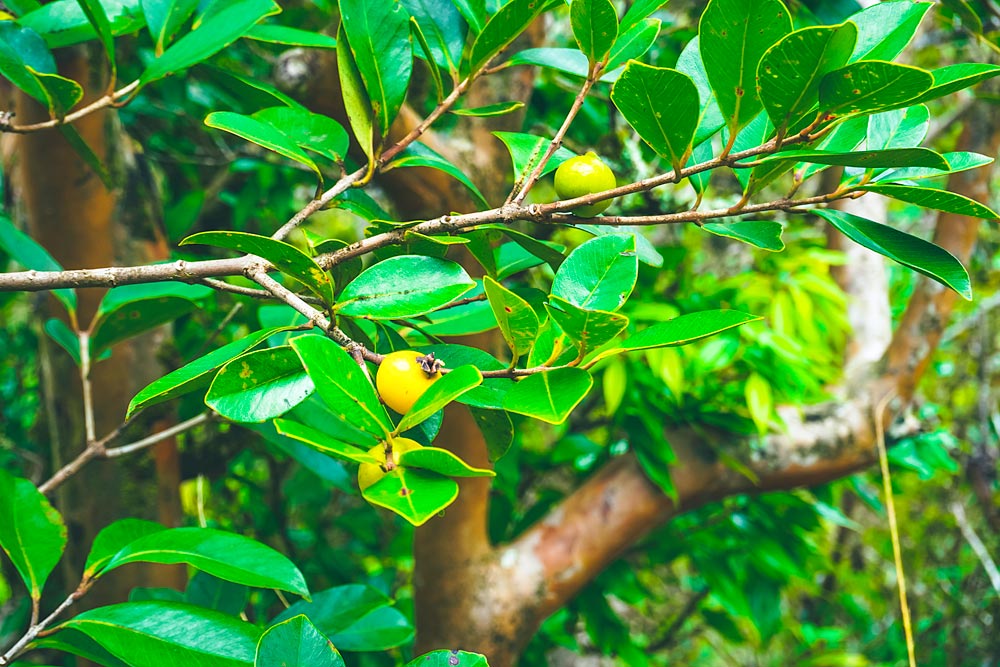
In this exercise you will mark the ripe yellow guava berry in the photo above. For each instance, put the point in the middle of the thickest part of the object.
(369, 473)
(584, 175)
(404, 376)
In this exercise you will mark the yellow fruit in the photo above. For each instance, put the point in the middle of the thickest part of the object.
(584, 175)
(369, 473)
(404, 376)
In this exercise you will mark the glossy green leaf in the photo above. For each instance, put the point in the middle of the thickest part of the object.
(31, 255)
(550, 396)
(263, 134)
(419, 155)
(311, 131)
(490, 393)
(356, 102)
(599, 274)
(920, 255)
(490, 110)
(212, 592)
(953, 78)
(98, 18)
(452, 658)
(516, 318)
(631, 44)
(77, 643)
(287, 258)
(790, 72)
(446, 389)
(638, 11)
(224, 555)
(32, 532)
(571, 61)
(940, 200)
(497, 430)
(588, 329)
(378, 33)
(113, 538)
(87, 154)
(231, 21)
(890, 157)
(682, 330)
(662, 106)
(733, 37)
(885, 28)
(64, 23)
(132, 309)
(414, 494)
(21, 51)
(65, 337)
(323, 441)
(197, 373)
(444, 28)
(595, 27)
(157, 633)
(526, 150)
(404, 286)
(164, 18)
(764, 234)
(511, 20)
(60, 94)
(958, 161)
(296, 643)
(442, 462)
(354, 618)
(259, 385)
(709, 115)
(899, 128)
(871, 85)
(342, 384)
(281, 34)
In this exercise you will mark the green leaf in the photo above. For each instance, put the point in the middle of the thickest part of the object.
(263, 134)
(164, 18)
(98, 19)
(959, 161)
(21, 51)
(378, 33)
(682, 330)
(733, 37)
(287, 258)
(452, 658)
(323, 441)
(474, 13)
(259, 385)
(355, 618)
(232, 20)
(638, 11)
(60, 94)
(224, 555)
(419, 155)
(511, 20)
(899, 128)
(64, 23)
(589, 329)
(28, 253)
(157, 633)
(132, 309)
(871, 85)
(77, 643)
(526, 150)
(599, 274)
(312, 131)
(549, 396)
(446, 389)
(342, 384)
(296, 643)
(790, 72)
(65, 337)
(764, 234)
(595, 27)
(112, 539)
(211, 592)
(490, 110)
(31, 531)
(356, 102)
(442, 462)
(444, 29)
(516, 318)
(709, 116)
(760, 401)
(662, 106)
(280, 34)
(890, 157)
(87, 154)
(940, 200)
(414, 494)
(198, 373)
(953, 78)
(497, 429)
(631, 44)
(404, 286)
(921, 256)
(885, 28)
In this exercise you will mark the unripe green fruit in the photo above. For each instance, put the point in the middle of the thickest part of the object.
(584, 175)
(369, 473)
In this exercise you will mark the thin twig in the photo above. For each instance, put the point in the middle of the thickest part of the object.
(316, 204)
(96, 105)
(88, 397)
(160, 436)
(969, 533)
(36, 628)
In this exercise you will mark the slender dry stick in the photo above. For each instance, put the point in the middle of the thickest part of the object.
(982, 553)
(317, 203)
(438, 111)
(96, 105)
(157, 437)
